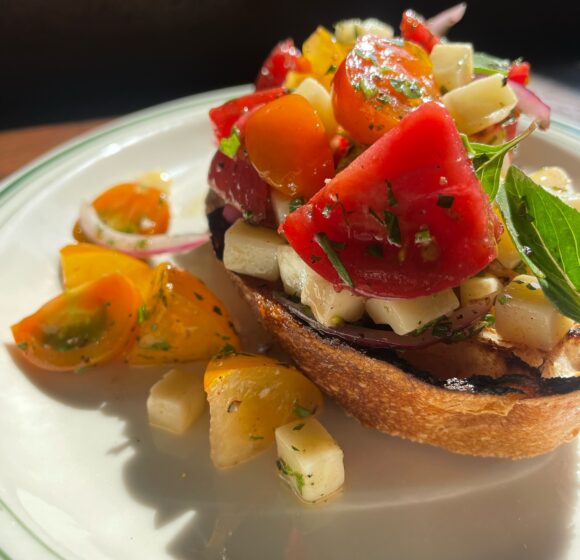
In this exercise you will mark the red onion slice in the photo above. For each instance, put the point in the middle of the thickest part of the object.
(441, 23)
(530, 104)
(231, 214)
(458, 322)
(141, 246)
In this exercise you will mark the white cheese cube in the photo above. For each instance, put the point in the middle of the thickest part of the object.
(292, 270)
(330, 307)
(252, 250)
(480, 103)
(406, 315)
(553, 179)
(309, 459)
(280, 205)
(315, 93)
(176, 401)
(349, 30)
(524, 315)
(452, 64)
(479, 287)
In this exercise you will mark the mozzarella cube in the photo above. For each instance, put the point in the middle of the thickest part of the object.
(479, 287)
(309, 459)
(480, 103)
(553, 179)
(315, 93)
(176, 401)
(330, 307)
(252, 250)
(292, 270)
(349, 30)
(280, 205)
(524, 315)
(452, 64)
(406, 315)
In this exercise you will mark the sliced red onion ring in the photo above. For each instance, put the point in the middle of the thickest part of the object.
(458, 321)
(141, 246)
(441, 23)
(530, 104)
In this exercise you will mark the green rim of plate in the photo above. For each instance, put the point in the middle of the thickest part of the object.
(18, 181)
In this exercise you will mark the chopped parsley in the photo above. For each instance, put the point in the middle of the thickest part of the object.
(23, 346)
(142, 314)
(217, 310)
(199, 297)
(410, 89)
(301, 411)
(287, 471)
(375, 250)
(390, 195)
(327, 246)
(160, 345)
(445, 200)
(423, 236)
(230, 145)
(296, 203)
(255, 438)
(298, 427)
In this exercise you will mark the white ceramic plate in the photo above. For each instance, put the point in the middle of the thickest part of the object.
(83, 476)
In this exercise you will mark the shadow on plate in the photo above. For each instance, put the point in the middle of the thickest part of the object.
(402, 500)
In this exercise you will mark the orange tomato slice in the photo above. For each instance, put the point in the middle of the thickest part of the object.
(182, 320)
(131, 208)
(85, 262)
(81, 327)
(288, 146)
(378, 83)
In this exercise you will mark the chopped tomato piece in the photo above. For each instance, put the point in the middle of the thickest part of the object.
(182, 320)
(283, 58)
(86, 262)
(379, 82)
(414, 28)
(287, 144)
(519, 72)
(82, 327)
(225, 116)
(237, 182)
(406, 218)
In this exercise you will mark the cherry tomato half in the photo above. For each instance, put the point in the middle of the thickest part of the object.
(182, 320)
(288, 146)
(379, 82)
(82, 327)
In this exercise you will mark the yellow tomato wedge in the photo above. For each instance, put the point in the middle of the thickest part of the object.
(85, 262)
(181, 321)
(249, 397)
(82, 327)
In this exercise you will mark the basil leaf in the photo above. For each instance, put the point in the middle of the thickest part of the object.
(546, 232)
(488, 160)
(484, 63)
(230, 145)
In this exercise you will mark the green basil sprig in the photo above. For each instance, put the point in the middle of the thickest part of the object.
(484, 63)
(546, 232)
(488, 160)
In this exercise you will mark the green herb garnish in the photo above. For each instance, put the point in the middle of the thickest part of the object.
(301, 411)
(142, 314)
(286, 470)
(547, 237)
(160, 345)
(296, 203)
(230, 145)
(390, 195)
(445, 201)
(375, 250)
(256, 437)
(326, 246)
(23, 346)
(409, 88)
(488, 160)
(423, 236)
(298, 427)
(484, 63)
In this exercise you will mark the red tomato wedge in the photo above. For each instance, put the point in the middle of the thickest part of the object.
(82, 327)
(283, 58)
(225, 116)
(238, 183)
(405, 219)
(378, 83)
(288, 146)
(519, 72)
(414, 28)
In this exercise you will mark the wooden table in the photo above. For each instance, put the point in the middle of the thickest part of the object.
(18, 147)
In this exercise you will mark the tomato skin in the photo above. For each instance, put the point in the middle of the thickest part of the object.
(182, 321)
(283, 58)
(82, 327)
(365, 100)
(413, 164)
(225, 116)
(519, 72)
(238, 183)
(287, 144)
(414, 28)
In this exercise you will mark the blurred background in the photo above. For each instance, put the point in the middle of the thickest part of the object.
(67, 60)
